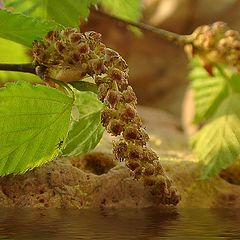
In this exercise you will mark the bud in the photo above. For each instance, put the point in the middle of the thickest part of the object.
(129, 95)
(122, 65)
(135, 151)
(68, 31)
(111, 54)
(236, 45)
(118, 76)
(76, 37)
(115, 127)
(106, 115)
(131, 133)
(83, 48)
(97, 66)
(149, 170)
(59, 47)
(128, 113)
(52, 36)
(219, 27)
(222, 44)
(76, 57)
(120, 149)
(113, 98)
(149, 155)
(102, 91)
(94, 36)
(98, 80)
(132, 164)
(232, 33)
(100, 49)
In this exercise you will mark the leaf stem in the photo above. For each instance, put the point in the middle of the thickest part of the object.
(173, 37)
(25, 67)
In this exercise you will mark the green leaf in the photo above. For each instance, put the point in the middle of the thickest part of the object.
(125, 9)
(34, 120)
(87, 130)
(217, 144)
(36, 8)
(84, 86)
(235, 82)
(209, 91)
(23, 29)
(11, 52)
(65, 12)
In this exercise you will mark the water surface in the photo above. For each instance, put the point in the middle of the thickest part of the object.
(120, 224)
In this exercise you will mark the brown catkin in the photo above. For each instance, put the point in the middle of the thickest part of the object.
(86, 55)
(216, 43)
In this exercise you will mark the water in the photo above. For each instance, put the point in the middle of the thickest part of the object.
(120, 224)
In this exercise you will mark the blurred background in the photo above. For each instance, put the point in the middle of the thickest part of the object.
(158, 68)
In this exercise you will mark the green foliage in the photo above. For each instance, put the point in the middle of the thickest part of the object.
(218, 144)
(217, 100)
(11, 52)
(209, 91)
(34, 120)
(235, 83)
(65, 12)
(86, 131)
(23, 29)
(84, 86)
(125, 9)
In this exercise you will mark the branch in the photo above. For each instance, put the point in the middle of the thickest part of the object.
(26, 67)
(174, 37)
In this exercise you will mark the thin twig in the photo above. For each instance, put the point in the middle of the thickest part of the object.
(174, 37)
(25, 67)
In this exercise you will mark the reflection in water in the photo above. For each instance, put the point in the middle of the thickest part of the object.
(120, 224)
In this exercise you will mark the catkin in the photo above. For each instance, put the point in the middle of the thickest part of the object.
(62, 52)
(216, 43)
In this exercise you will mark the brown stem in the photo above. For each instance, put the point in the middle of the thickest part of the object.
(174, 37)
(25, 67)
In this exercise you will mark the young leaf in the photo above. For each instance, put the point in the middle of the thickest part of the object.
(125, 9)
(34, 120)
(22, 29)
(209, 91)
(65, 12)
(217, 144)
(87, 130)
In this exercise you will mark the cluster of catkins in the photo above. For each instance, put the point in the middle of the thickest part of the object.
(216, 43)
(69, 55)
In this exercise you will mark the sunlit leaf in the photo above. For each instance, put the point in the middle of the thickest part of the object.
(217, 144)
(11, 52)
(34, 122)
(235, 82)
(87, 130)
(209, 91)
(125, 9)
(23, 29)
(65, 12)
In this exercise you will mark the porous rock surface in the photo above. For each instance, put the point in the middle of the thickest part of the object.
(96, 181)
